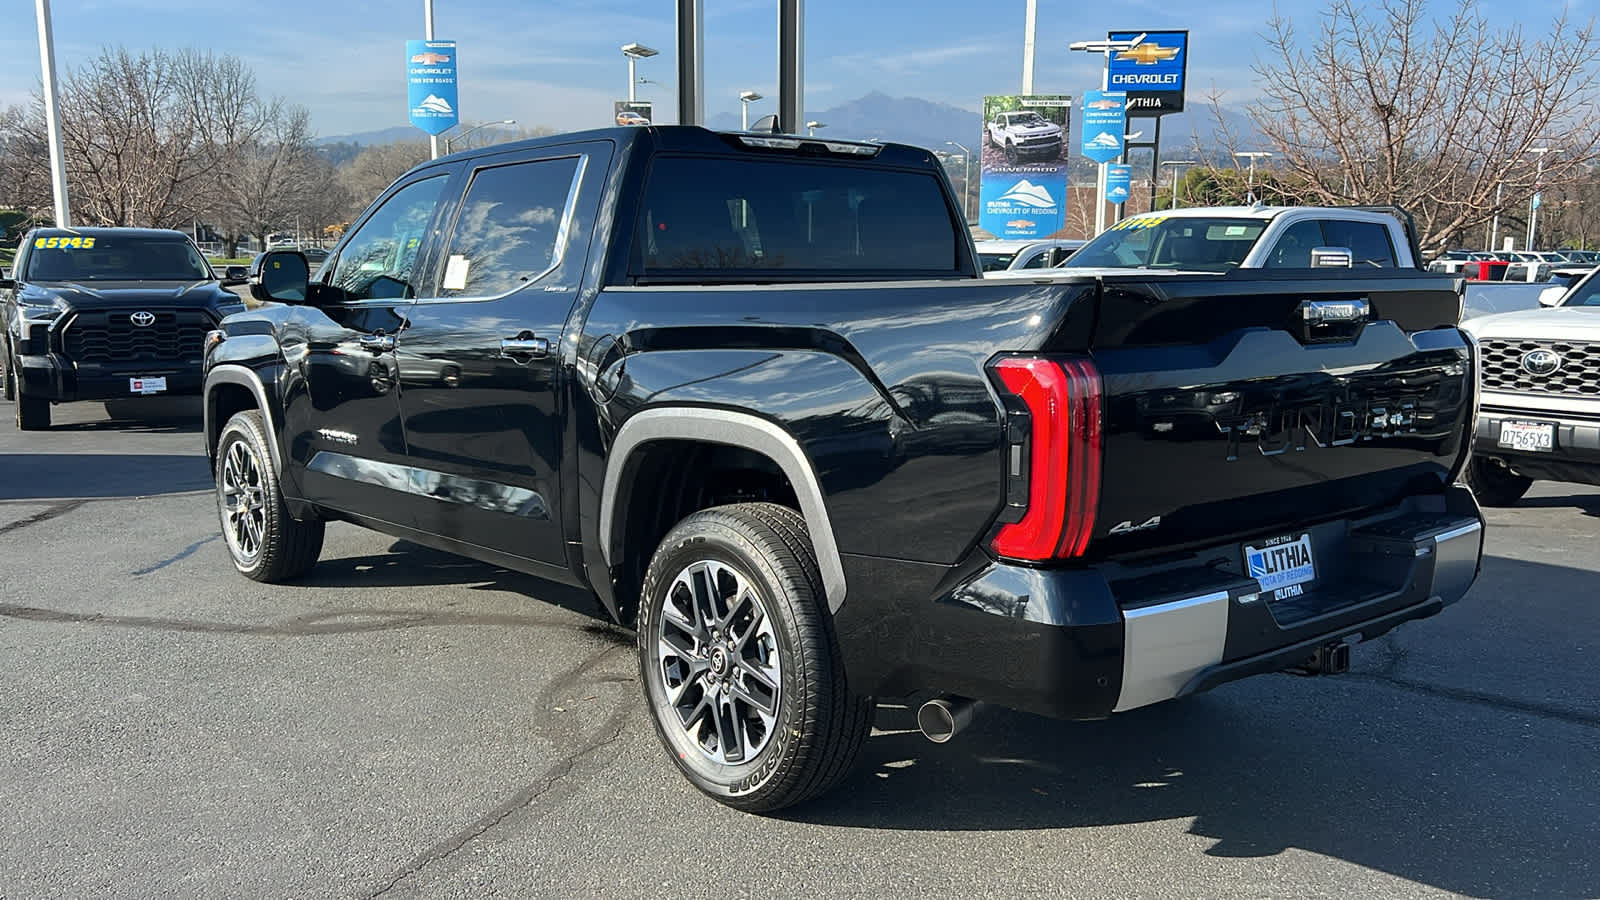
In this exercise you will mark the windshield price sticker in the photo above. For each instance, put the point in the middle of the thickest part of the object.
(1139, 222)
(63, 243)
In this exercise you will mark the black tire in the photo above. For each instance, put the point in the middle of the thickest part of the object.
(1011, 153)
(1493, 483)
(818, 723)
(264, 541)
(33, 413)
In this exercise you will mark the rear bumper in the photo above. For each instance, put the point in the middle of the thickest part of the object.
(1575, 457)
(1085, 643)
(56, 378)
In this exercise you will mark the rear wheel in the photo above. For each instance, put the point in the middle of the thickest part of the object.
(739, 663)
(1493, 483)
(266, 543)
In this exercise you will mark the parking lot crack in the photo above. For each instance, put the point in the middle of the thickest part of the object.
(43, 515)
(609, 733)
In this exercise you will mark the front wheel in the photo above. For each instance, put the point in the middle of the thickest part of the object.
(1493, 483)
(33, 413)
(739, 662)
(1011, 153)
(11, 372)
(266, 543)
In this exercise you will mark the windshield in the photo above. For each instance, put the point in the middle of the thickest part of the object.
(1200, 244)
(1585, 294)
(114, 258)
(1028, 120)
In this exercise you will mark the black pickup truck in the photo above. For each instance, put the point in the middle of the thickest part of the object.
(753, 393)
(104, 314)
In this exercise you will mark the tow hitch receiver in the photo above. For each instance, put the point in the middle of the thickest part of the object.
(1329, 659)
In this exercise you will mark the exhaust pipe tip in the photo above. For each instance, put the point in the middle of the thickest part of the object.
(943, 718)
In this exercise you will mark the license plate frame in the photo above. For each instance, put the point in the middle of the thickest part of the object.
(1527, 437)
(1281, 562)
(144, 387)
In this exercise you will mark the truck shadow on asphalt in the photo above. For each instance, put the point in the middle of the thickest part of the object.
(1586, 503)
(1359, 779)
(88, 476)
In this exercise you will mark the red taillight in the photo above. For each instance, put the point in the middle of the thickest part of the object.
(1063, 452)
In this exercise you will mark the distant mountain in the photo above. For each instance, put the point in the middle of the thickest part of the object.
(384, 136)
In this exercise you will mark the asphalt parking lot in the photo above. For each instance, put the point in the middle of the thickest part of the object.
(405, 723)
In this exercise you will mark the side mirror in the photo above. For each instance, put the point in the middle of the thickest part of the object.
(6, 281)
(233, 276)
(281, 275)
(1552, 295)
(1331, 258)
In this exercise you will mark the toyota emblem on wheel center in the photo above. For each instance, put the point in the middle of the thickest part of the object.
(1541, 362)
(142, 319)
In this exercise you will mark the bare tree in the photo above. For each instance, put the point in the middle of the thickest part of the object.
(1387, 105)
(270, 182)
(144, 136)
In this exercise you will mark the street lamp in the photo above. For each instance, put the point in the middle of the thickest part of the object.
(966, 178)
(1533, 202)
(451, 140)
(635, 51)
(1252, 155)
(814, 125)
(745, 99)
(1177, 177)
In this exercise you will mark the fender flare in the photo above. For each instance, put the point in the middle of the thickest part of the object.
(232, 373)
(718, 426)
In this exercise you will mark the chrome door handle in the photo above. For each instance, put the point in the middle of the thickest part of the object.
(377, 343)
(524, 347)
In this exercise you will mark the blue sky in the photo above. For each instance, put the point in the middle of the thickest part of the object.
(557, 63)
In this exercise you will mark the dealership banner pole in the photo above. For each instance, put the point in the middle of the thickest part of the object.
(691, 63)
(1155, 163)
(52, 114)
(1028, 30)
(427, 34)
(791, 65)
(1100, 181)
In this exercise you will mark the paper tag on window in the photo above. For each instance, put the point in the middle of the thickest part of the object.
(455, 273)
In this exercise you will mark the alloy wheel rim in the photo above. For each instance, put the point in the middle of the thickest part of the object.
(717, 655)
(244, 501)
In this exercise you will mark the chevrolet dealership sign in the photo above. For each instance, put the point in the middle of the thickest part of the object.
(1151, 71)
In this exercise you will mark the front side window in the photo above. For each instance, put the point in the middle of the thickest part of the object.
(1294, 246)
(506, 232)
(749, 218)
(114, 257)
(380, 259)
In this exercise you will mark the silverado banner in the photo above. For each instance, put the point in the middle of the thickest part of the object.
(1024, 173)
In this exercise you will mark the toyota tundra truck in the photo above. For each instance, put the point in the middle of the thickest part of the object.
(107, 314)
(752, 393)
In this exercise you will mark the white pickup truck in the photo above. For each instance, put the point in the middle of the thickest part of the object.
(1025, 135)
(1221, 238)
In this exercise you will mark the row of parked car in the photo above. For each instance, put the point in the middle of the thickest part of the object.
(1512, 265)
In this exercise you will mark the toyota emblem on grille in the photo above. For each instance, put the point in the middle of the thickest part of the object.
(143, 319)
(1541, 362)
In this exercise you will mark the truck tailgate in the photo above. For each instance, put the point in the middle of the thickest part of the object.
(1257, 402)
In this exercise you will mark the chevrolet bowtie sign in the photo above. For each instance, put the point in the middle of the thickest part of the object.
(1151, 71)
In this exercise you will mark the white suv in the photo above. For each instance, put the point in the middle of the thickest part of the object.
(1026, 135)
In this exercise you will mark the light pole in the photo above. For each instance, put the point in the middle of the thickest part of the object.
(427, 34)
(966, 178)
(1177, 177)
(1105, 48)
(52, 118)
(1494, 229)
(745, 99)
(814, 125)
(1533, 202)
(450, 140)
(1252, 155)
(635, 51)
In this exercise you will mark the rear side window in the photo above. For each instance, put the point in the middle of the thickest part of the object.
(742, 217)
(1294, 246)
(1369, 242)
(507, 231)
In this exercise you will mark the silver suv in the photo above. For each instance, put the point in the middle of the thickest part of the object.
(1540, 418)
